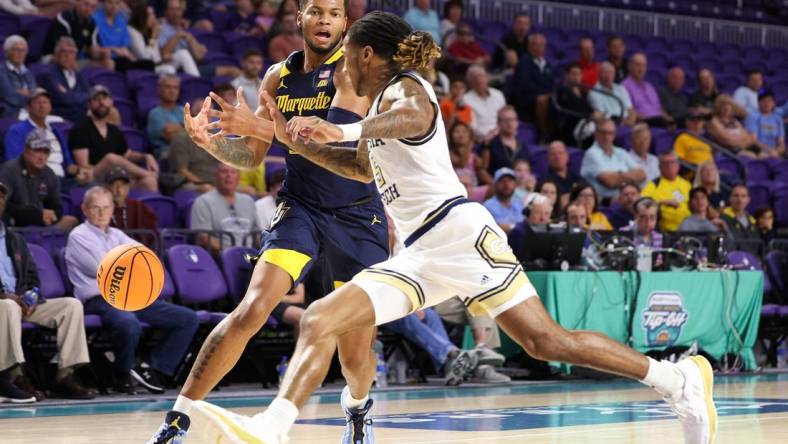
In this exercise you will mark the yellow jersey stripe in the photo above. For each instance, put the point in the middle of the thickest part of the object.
(293, 262)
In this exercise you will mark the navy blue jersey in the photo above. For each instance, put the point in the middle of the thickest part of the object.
(311, 94)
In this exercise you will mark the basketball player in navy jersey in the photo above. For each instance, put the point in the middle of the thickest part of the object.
(319, 214)
(453, 247)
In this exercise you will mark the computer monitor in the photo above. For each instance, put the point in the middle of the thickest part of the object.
(549, 251)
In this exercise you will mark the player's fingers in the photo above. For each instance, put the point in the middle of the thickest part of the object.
(187, 111)
(214, 125)
(273, 111)
(239, 94)
(220, 101)
(206, 105)
(217, 134)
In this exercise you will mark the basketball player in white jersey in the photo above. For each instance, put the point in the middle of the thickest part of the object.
(453, 246)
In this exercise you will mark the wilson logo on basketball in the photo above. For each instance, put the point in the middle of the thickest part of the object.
(114, 284)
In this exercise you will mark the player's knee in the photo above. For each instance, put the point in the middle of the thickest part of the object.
(315, 322)
(249, 318)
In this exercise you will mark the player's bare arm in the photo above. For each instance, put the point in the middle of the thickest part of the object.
(254, 128)
(351, 163)
(405, 112)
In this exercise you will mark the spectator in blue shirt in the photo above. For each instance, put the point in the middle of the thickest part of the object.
(112, 33)
(165, 120)
(506, 211)
(606, 166)
(16, 81)
(767, 126)
(421, 18)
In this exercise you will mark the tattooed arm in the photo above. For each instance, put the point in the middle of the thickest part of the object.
(351, 163)
(241, 152)
(406, 112)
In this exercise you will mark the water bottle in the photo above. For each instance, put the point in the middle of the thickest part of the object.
(782, 354)
(281, 369)
(382, 369)
(30, 297)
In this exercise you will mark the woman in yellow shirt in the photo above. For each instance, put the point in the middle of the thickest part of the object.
(586, 195)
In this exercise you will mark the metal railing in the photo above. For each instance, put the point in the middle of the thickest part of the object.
(619, 21)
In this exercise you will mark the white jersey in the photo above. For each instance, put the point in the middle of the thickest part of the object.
(414, 176)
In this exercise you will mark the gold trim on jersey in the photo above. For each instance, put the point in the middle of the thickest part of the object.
(408, 286)
(488, 301)
(283, 72)
(335, 57)
(495, 250)
(291, 261)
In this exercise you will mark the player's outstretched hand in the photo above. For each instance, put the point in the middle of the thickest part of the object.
(197, 126)
(313, 129)
(239, 119)
(278, 120)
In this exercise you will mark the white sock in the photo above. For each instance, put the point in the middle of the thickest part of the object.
(183, 405)
(350, 401)
(664, 377)
(280, 416)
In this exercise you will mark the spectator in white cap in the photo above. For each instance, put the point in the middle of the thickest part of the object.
(506, 211)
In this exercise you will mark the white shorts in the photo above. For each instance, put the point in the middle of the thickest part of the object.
(466, 255)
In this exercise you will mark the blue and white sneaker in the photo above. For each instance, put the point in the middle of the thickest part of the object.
(173, 431)
(359, 424)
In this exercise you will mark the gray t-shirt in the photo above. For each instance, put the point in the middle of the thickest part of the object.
(185, 154)
(211, 211)
(698, 224)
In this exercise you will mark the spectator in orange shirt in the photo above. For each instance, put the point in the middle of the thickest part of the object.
(453, 108)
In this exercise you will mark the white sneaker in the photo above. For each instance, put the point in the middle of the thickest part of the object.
(694, 404)
(488, 356)
(223, 426)
(486, 374)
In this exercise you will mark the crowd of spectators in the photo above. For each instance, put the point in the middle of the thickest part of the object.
(539, 143)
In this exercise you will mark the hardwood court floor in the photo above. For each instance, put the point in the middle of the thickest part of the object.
(753, 409)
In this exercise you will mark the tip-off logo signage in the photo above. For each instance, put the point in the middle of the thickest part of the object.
(663, 318)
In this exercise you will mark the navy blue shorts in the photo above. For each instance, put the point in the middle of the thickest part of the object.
(347, 239)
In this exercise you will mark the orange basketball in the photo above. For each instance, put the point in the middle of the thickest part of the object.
(130, 277)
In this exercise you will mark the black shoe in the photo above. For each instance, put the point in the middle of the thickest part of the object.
(458, 369)
(21, 382)
(13, 394)
(148, 377)
(174, 429)
(123, 384)
(70, 388)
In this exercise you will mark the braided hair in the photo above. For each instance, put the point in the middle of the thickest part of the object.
(391, 37)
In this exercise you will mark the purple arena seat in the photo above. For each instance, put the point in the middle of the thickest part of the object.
(127, 110)
(759, 195)
(197, 279)
(60, 258)
(135, 139)
(166, 210)
(770, 310)
(194, 87)
(244, 43)
(168, 290)
(213, 41)
(538, 160)
(757, 170)
(527, 133)
(237, 270)
(781, 210)
(144, 84)
(65, 200)
(663, 140)
(575, 159)
(779, 171)
(220, 59)
(114, 81)
(52, 282)
(776, 262)
(35, 31)
(10, 24)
